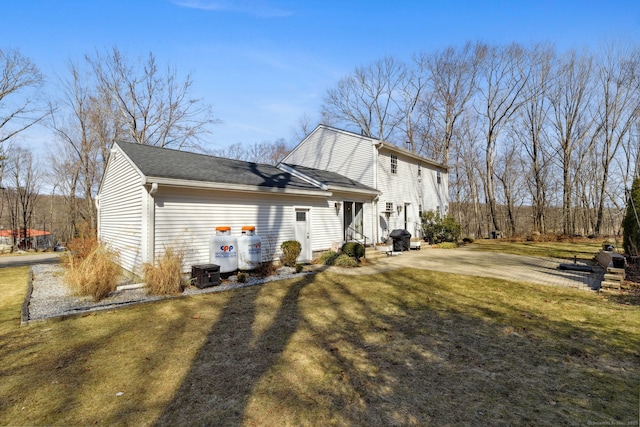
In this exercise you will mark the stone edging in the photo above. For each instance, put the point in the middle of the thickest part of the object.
(24, 312)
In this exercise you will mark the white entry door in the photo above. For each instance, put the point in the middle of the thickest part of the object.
(302, 232)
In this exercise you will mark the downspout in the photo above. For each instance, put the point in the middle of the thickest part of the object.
(97, 203)
(151, 223)
(376, 214)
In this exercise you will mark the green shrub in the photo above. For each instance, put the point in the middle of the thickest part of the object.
(299, 268)
(290, 252)
(353, 249)
(344, 260)
(328, 258)
(165, 277)
(437, 229)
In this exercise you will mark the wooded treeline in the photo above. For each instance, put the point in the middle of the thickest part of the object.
(538, 141)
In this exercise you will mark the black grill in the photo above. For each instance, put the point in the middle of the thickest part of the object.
(401, 240)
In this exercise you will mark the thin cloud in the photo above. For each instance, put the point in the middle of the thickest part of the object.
(259, 8)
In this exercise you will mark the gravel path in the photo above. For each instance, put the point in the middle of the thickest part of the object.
(50, 297)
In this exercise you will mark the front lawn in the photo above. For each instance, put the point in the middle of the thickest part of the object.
(407, 347)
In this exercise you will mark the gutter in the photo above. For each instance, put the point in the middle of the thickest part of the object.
(242, 188)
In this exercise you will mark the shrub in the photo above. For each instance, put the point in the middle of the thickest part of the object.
(344, 260)
(328, 258)
(353, 249)
(94, 275)
(290, 252)
(467, 240)
(242, 277)
(437, 229)
(631, 222)
(447, 245)
(166, 276)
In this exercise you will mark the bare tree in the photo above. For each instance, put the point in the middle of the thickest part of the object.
(619, 80)
(151, 107)
(367, 99)
(452, 76)
(529, 127)
(264, 152)
(504, 76)
(19, 106)
(23, 191)
(570, 99)
(82, 153)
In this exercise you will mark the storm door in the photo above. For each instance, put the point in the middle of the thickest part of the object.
(353, 221)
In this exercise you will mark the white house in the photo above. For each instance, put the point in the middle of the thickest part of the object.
(408, 184)
(334, 186)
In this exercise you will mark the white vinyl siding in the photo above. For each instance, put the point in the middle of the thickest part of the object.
(121, 210)
(408, 190)
(187, 219)
(336, 151)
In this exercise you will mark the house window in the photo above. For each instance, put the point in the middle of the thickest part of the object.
(301, 216)
(389, 207)
(419, 169)
(394, 163)
(438, 177)
(419, 211)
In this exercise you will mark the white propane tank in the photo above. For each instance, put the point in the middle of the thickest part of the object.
(249, 252)
(223, 250)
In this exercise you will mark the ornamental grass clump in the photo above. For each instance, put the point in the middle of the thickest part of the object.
(95, 274)
(165, 277)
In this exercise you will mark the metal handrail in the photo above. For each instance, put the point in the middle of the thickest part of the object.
(362, 234)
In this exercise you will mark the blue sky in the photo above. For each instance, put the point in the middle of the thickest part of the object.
(262, 64)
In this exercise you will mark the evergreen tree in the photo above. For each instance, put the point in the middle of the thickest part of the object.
(631, 223)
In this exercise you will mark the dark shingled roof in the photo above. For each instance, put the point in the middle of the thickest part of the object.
(332, 179)
(167, 163)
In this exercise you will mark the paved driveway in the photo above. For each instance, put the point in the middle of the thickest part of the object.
(537, 270)
(30, 259)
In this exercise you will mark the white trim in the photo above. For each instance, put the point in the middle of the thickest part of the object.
(309, 255)
(288, 169)
(237, 188)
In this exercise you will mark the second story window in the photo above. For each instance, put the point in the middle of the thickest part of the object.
(438, 177)
(394, 163)
(419, 169)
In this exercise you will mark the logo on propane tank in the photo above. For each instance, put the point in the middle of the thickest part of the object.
(226, 251)
(254, 249)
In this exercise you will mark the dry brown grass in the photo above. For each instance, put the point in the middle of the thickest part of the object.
(407, 347)
(81, 246)
(95, 274)
(165, 277)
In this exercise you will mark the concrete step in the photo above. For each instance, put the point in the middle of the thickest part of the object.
(373, 254)
(613, 277)
(614, 270)
(610, 285)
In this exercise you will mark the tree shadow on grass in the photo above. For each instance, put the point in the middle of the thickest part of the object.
(223, 374)
(339, 351)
